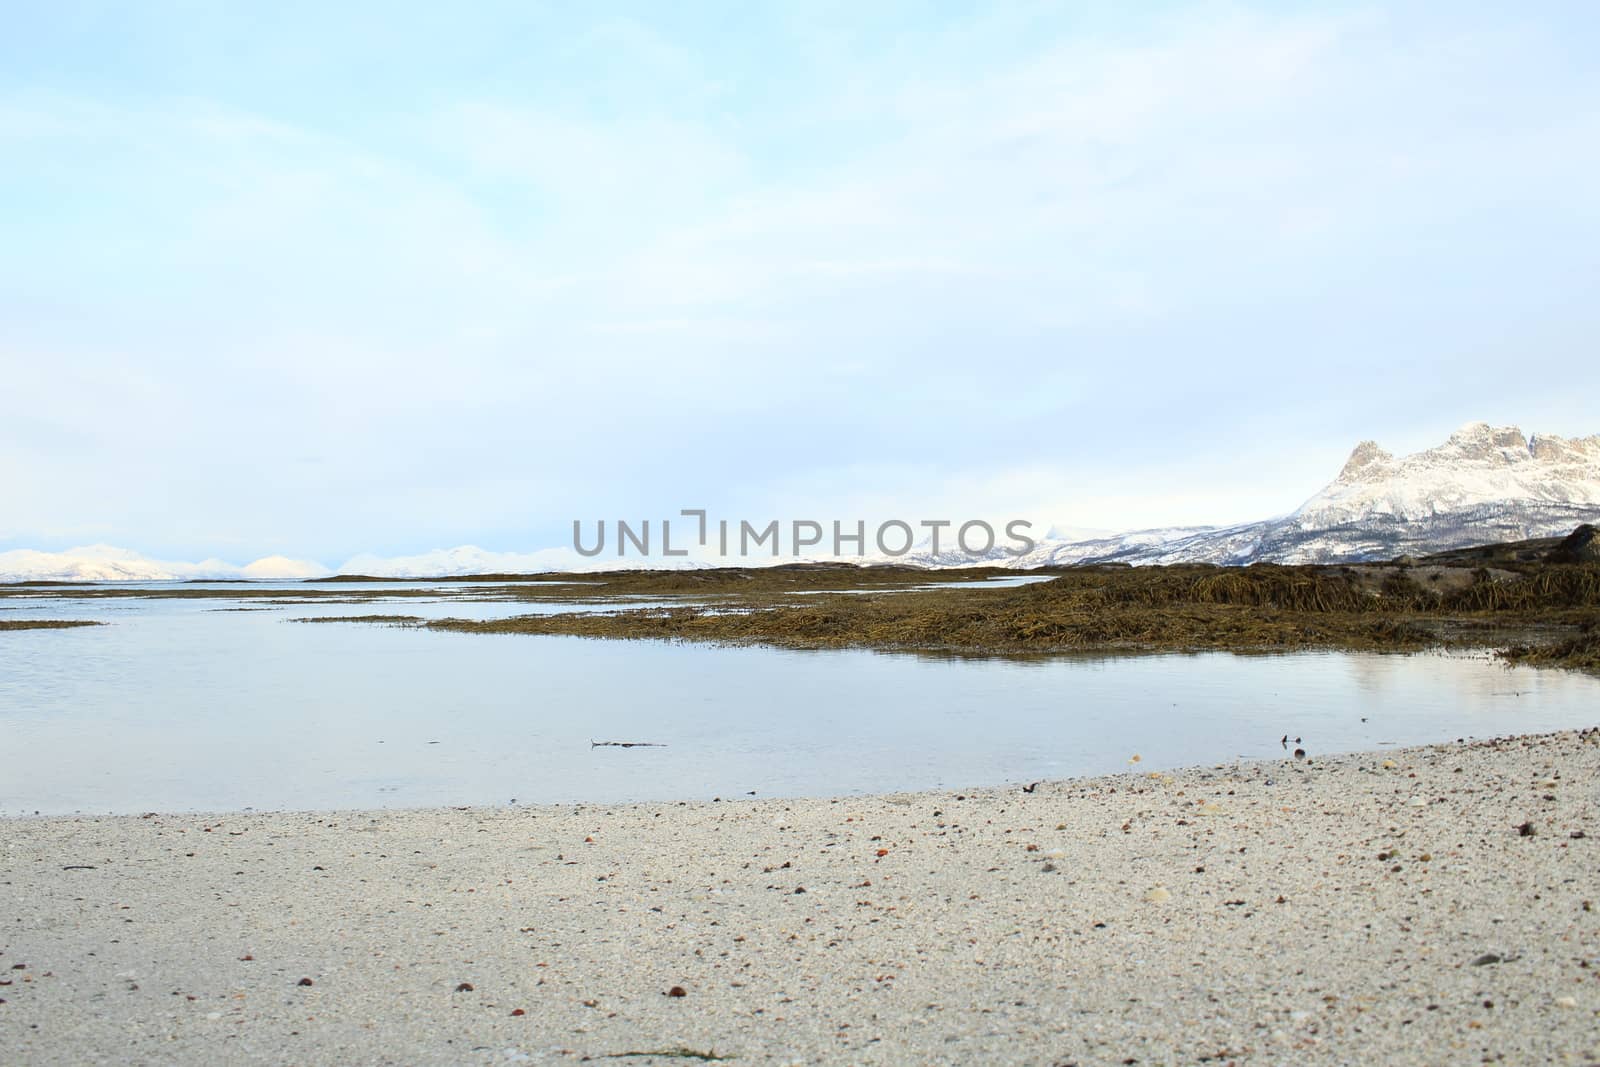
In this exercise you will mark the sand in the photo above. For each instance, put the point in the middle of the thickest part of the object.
(1383, 908)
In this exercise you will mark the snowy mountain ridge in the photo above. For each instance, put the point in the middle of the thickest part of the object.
(1478, 466)
(107, 563)
(1484, 484)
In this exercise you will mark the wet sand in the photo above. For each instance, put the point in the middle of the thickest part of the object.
(1415, 906)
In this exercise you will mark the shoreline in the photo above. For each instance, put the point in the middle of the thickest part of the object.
(1325, 910)
(1531, 605)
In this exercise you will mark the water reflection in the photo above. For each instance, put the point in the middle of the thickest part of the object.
(177, 705)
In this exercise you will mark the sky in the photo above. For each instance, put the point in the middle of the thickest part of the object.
(330, 280)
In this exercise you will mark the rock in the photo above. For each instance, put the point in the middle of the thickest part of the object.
(1580, 546)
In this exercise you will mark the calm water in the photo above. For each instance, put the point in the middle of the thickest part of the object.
(179, 705)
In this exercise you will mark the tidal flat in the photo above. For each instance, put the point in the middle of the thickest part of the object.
(1529, 611)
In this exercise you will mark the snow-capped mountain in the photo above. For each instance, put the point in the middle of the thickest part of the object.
(1484, 484)
(1479, 466)
(466, 559)
(106, 563)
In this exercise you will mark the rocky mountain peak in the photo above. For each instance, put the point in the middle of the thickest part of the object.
(1368, 460)
(1482, 442)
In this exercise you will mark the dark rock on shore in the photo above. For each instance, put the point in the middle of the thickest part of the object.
(1580, 546)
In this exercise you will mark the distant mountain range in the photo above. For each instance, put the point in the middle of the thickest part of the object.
(107, 563)
(1485, 484)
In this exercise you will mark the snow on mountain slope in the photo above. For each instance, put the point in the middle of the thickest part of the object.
(1484, 484)
(463, 559)
(1478, 466)
(470, 559)
(1051, 551)
(282, 569)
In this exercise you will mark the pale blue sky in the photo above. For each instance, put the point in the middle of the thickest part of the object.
(320, 282)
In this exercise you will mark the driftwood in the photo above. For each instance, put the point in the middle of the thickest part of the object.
(625, 744)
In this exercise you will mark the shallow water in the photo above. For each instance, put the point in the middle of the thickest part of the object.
(180, 706)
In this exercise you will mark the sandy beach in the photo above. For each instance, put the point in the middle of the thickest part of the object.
(1412, 906)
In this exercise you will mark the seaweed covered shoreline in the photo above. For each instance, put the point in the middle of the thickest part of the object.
(46, 624)
(1536, 613)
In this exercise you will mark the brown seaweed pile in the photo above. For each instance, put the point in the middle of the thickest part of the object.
(46, 624)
